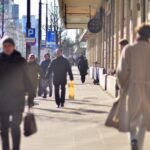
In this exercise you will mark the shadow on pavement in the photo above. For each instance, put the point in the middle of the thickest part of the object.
(83, 84)
(59, 111)
(88, 110)
(87, 101)
(43, 117)
(81, 103)
(74, 111)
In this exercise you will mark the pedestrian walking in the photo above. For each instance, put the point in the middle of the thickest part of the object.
(132, 113)
(34, 72)
(60, 67)
(14, 83)
(44, 83)
(83, 67)
(96, 73)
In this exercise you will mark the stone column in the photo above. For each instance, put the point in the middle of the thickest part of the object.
(134, 18)
(98, 47)
(127, 19)
(116, 33)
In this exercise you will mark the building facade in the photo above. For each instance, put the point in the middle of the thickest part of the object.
(9, 16)
(120, 18)
(15, 12)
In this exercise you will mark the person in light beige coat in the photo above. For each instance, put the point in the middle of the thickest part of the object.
(133, 74)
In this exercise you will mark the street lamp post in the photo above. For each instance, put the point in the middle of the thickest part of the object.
(28, 25)
(40, 31)
(46, 18)
(3, 13)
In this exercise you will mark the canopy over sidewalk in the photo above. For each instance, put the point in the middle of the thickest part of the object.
(77, 13)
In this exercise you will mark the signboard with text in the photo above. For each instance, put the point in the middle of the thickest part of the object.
(51, 39)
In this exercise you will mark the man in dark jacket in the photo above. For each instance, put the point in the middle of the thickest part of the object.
(14, 83)
(46, 82)
(83, 67)
(60, 67)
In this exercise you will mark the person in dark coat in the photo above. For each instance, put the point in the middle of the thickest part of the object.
(60, 67)
(14, 84)
(46, 82)
(83, 67)
(34, 71)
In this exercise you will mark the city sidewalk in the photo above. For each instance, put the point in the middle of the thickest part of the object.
(78, 126)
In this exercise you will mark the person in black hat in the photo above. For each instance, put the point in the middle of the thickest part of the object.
(83, 67)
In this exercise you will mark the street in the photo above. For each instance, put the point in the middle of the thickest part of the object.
(78, 126)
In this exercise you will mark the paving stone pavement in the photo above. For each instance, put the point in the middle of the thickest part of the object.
(78, 126)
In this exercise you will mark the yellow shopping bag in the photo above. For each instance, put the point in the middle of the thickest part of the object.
(71, 90)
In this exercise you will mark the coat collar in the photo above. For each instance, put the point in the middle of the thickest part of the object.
(14, 57)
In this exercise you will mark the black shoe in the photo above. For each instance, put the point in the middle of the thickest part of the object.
(62, 105)
(134, 144)
(44, 96)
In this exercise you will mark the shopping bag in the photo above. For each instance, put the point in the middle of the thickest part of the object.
(30, 126)
(71, 90)
(113, 119)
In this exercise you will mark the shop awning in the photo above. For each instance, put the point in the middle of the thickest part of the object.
(77, 13)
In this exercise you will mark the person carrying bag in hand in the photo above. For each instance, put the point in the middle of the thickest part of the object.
(14, 84)
(60, 67)
(132, 112)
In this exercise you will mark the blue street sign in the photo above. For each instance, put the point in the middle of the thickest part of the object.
(30, 36)
(51, 38)
(30, 33)
(43, 44)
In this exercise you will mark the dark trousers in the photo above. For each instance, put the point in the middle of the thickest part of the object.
(60, 92)
(14, 125)
(83, 78)
(40, 89)
(43, 90)
(50, 85)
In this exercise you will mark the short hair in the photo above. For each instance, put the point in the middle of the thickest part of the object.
(59, 49)
(8, 40)
(47, 54)
(143, 31)
(123, 42)
(96, 62)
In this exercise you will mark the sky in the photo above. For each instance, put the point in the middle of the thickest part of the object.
(34, 11)
(34, 5)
